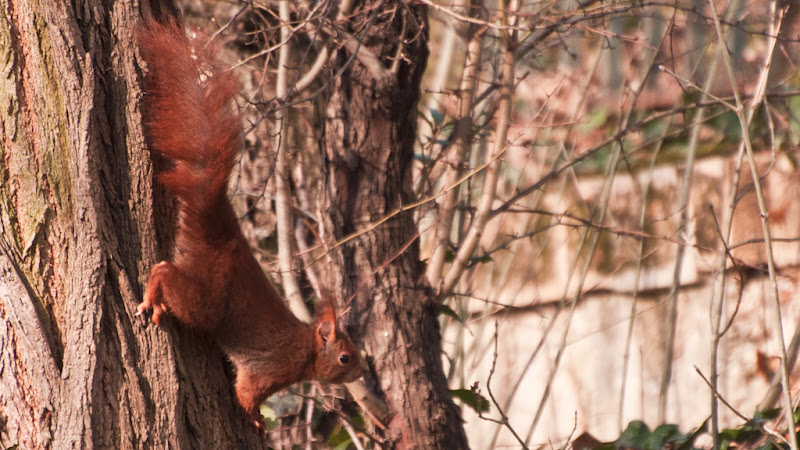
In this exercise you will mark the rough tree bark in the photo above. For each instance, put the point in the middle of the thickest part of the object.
(78, 220)
(368, 150)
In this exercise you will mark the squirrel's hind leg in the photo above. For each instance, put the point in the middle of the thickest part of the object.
(153, 295)
(170, 290)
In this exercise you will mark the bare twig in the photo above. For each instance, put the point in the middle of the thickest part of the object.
(411, 206)
(716, 394)
(283, 210)
(642, 216)
(503, 417)
(511, 396)
(598, 212)
(703, 90)
(310, 406)
(745, 115)
(472, 239)
(245, 5)
(683, 206)
(471, 18)
(461, 143)
(353, 435)
(714, 326)
(324, 55)
(633, 312)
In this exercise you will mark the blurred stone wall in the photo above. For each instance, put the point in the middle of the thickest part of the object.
(522, 285)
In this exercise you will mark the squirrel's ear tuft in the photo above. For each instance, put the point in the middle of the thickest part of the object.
(327, 299)
(326, 330)
(326, 318)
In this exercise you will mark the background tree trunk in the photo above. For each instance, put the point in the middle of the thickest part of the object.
(77, 369)
(370, 128)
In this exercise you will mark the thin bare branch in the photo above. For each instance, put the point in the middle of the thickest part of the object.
(503, 417)
(470, 243)
(745, 116)
(283, 209)
(716, 394)
(457, 153)
(683, 207)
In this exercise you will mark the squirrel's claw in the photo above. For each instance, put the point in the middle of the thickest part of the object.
(158, 310)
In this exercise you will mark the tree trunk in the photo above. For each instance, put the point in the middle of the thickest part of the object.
(368, 146)
(80, 230)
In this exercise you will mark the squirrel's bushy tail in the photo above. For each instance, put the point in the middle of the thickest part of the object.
(190, 117)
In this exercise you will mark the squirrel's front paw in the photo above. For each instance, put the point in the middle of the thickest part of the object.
(250, 405)
(261, 427)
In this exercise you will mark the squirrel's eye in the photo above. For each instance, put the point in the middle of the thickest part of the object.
(344, 359)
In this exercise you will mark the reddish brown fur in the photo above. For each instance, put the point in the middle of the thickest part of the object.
(213, 283)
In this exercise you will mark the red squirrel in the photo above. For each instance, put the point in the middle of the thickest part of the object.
(213, 283)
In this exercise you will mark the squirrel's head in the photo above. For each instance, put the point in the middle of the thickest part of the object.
(337, 359)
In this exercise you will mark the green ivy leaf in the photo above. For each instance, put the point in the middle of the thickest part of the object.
(339, 439)
(270, 417)
(635, 435)
(689, 443)
(472, 399)
(448, 311)
(663, 434)
(425, 159)
(437, 116)
(766, 415)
